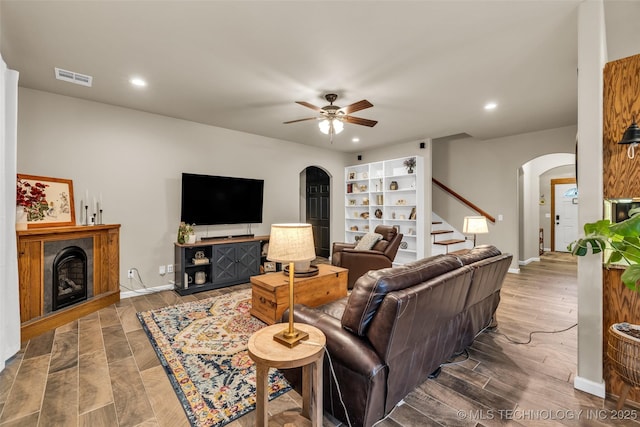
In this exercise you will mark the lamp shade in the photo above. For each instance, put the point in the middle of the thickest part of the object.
(475, 225)
(291, 243)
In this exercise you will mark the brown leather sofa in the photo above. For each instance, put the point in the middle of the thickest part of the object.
(358, 262)
(399, 325)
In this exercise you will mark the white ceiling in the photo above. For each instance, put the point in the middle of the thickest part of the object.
(428, 67)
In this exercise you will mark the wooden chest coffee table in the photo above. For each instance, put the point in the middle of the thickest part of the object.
(270, 292)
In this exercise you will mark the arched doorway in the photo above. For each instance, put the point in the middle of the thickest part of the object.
(318, 195)
(530, 206)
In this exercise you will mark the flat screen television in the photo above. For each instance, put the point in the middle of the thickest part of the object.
(210, 200)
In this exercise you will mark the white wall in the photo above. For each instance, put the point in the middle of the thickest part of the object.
(487, 174)
(135, 160)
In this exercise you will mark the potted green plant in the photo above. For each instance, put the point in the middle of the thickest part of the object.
(185, 231)
(620, 241)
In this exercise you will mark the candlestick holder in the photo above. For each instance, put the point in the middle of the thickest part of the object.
(100, 217)
(93, 219)
(86, 214)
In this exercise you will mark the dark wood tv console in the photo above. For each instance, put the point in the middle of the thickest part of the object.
(216, 263)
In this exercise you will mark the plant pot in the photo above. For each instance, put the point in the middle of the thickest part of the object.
(623, 349)
(191, 238)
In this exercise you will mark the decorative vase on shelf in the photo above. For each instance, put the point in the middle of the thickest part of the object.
(191, 238)
(410, 163)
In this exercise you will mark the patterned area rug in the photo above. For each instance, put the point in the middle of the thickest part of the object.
(203, 348)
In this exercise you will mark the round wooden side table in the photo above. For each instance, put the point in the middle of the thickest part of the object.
(309, 354)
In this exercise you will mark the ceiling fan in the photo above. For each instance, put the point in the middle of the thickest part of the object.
(332, 117)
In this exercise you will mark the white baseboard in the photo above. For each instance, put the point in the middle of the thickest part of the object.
(514, 270)
(591, 387)
(145, 291)
(529, 261)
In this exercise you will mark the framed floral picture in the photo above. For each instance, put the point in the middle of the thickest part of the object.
(44, 202)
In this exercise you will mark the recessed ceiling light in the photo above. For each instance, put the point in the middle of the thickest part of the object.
(355, 139)
(137, 81)
(490, 106)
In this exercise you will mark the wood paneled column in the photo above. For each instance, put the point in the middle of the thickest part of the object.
(621, 180)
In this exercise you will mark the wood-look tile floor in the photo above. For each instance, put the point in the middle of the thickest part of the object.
(102, 371)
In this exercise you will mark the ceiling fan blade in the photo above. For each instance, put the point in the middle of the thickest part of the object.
(306, 104)
(360, 105)
(300, 120)
(359, 121)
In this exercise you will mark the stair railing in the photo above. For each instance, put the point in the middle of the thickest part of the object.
(463, 200)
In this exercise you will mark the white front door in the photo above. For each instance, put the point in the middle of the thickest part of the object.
(565, 216)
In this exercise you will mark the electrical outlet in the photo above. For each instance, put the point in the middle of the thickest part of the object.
(169, 268)
(162, 270)
(130, 273)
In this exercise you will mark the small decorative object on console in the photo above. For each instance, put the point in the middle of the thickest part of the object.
(393, 185)
(184, 231)
(199, 258)
(269, 266)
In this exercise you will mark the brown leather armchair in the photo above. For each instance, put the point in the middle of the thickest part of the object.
(358, 262)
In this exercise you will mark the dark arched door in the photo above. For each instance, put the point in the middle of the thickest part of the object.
(318, 196)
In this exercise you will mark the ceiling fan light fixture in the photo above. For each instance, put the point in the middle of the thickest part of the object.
(338, 126)
(332, 117)
(327, 125)
(324, 126)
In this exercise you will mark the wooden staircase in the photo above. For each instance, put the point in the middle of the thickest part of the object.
(460, 244)
(448, 243)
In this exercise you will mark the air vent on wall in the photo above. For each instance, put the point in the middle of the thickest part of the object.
(71, 77)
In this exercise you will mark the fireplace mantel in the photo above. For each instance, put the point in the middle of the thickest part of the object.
(106, 270)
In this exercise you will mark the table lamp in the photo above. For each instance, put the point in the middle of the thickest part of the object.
(292, 243)
(475, 225)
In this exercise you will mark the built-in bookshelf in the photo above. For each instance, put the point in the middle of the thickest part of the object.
(390, 193)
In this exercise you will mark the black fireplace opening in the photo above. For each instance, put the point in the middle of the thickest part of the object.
(69, 277)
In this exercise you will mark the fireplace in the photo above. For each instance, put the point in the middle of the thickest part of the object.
(68, 275)
(37, 251)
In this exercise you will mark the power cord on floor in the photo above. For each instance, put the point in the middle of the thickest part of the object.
(333, 375)
(459, 362)
(144, 289)
(511, 340)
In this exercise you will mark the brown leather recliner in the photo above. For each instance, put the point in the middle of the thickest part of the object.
(358, 262)
(399, 325)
